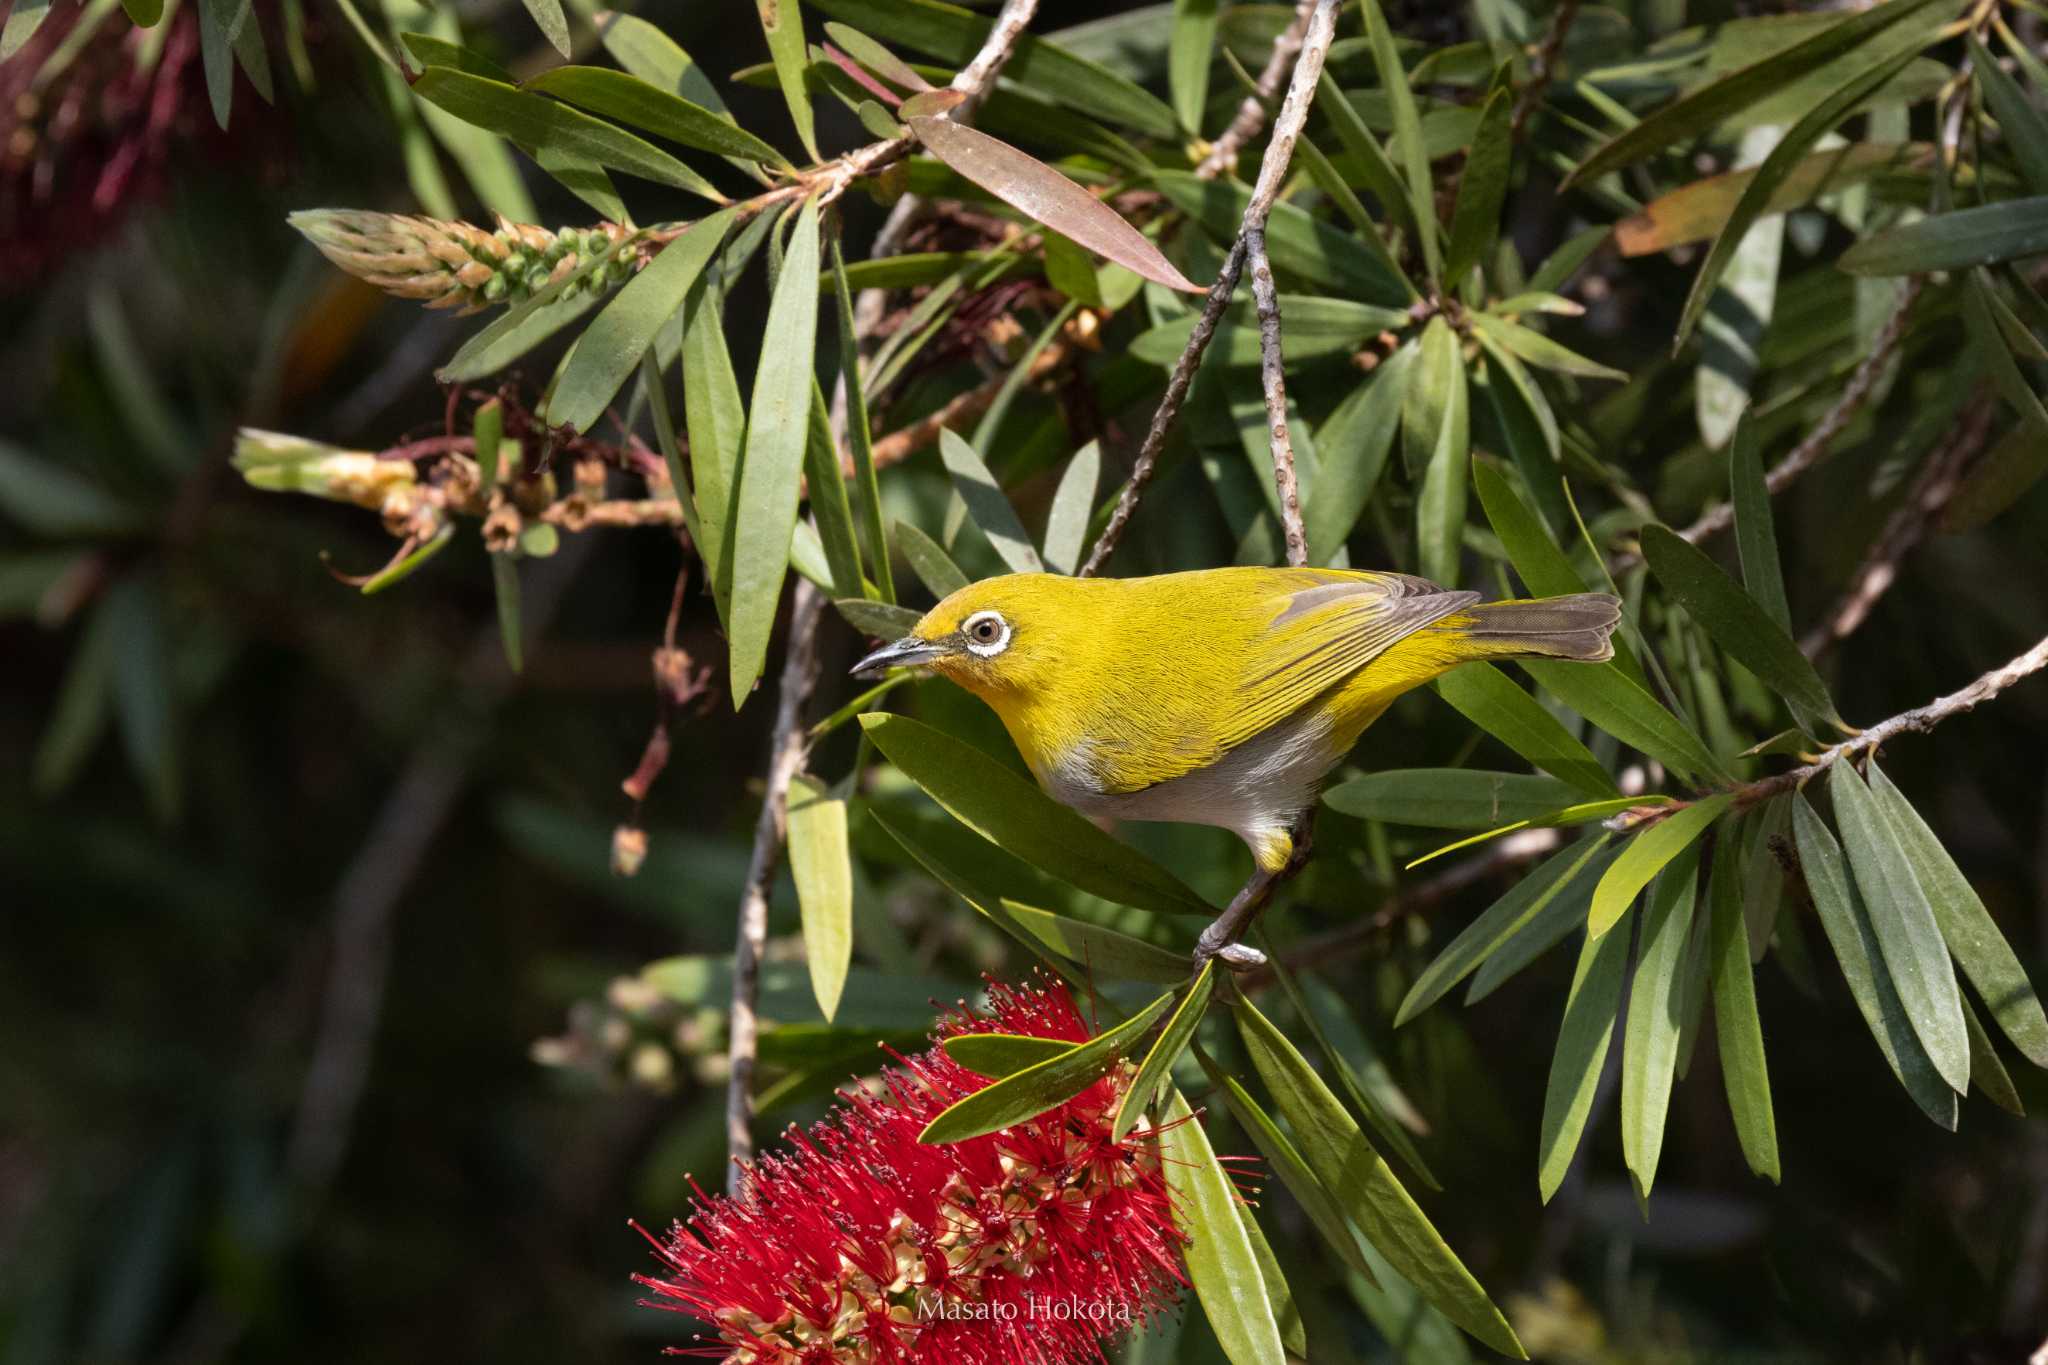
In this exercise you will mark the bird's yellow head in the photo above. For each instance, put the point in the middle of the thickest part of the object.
(1012, 634)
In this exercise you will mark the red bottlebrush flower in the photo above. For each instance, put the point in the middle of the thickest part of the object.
(1031, 1246)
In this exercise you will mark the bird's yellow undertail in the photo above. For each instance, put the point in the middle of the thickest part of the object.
(1221, 696)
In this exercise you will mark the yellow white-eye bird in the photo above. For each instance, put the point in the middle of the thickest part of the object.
(1221, 696)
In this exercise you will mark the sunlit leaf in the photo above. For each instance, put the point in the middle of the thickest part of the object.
(822, 868)
(1447, 798)
(1354, 442)
(1437, 416)
(1073, 504)
(1220, 1260)
(1191, 53)
(629, 99)
(1490, 699)
(1539, 350)
(1097, 951)
(1656, 1014)
(1004, 1054)
(1407, 135)
(1696, 212)
(1608, 698)
(929, 561)
(1297, 243)
(2003, 231)
(1165, 1050)
(1645, 855)
(987, 504)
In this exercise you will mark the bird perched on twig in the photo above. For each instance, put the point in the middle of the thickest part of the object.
(1221, 696)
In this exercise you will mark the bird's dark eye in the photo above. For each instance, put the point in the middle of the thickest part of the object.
(986, 630)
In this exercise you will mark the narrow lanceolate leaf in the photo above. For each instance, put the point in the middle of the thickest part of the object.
(867, 492)
(831, 511)
(716, 420)
(1539, 350)
(822, 867)
(1582, 1042)
(1036, 1088)
(1607, 697)
(1490, 700)
(1286, 1312)
(1190, 53)
(553, 24)
(1045, 196)
(1987, 1072)
(1408, 143)
(2024, 126)
(1448, 798)
(26, 17)
(1354, 441)
(1475, 223)
(2005, 231)
(1360, 1071)
(1910, 940)
(987, 504)
(629, 99)
(783, 23)
(1645, 856)
(1166, 1049)
(1738, 307)
(1299, 244)
(1656, 1015)
(1710, 105)
(611, 346)
(1756, 536)
(1995, 350)
(1097, 951)
(1696, 212)
(505, 584)
(1440, 506)
(1847, 923)
(1741, 626)
(141, 673)
(537, 122)
(1737, 1030)
(1998, 479)
(778, 422)
(1966, 926)
(929, 561)
(1337, 1151)
(1498, 923)
(1538, 561)
(1073, 504)
(1012, 812)
(1220, 1260)
(1004, 1054)
(1778, 167)
(220, 28)
(877, 58)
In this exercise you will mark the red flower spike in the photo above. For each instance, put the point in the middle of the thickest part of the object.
(1035, 1245)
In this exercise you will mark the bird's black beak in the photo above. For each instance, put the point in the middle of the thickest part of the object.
(905, 653)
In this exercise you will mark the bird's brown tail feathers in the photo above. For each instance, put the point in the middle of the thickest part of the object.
(1576, 627)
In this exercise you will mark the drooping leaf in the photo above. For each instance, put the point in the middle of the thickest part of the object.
(1220, 1259)
(1192, 51)
(1073, 504)
(1756, 536)
(1445, 412)
(1909, 939)
(987, 504)
(778, 422)
(716, 420)
(929, 561)
(877, 58)
(1645, 855)
(27, 16)
(1482, 186)
(1012, 812)
(1737, 1030)
(505, 586)
(1847, 923)
(1030, 1092)
(629, 99)
(1995, 351)
(1448, 798)
(1737, 306)
(867, 492)
(1987, 1072)
(1489, 699)
(553, 24)
(1166, 1049)
(1607, 697)
(1337, 1151)
(1354, 442)
(1741, 626)
(1286, 1312)
(880, 620)
(1097, 951)
(822, 867)
(1582, 1041)
(1045, 196)
(1656, 1015)
(831, 510)
(2024, 125)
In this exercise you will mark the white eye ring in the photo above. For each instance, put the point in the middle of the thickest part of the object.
(974, 631)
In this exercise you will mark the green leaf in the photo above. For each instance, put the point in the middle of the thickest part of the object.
(881, 620)
(1448, 798)
(1490, 699)
(955, 35)
(53, 503)
(778, 422)
(141, 13)
(877, 58)
(1739, 625)
(1971, 934)
(429, 49)
(1538, 349)
(986, 503)
(505, 583)
(1538, 561)
(1582, 1041)
(1297, 243)
(1995, 352)
(1849, 931)
(822, 867)
(1220, 1259)
(1483, 185)
(1744, 1073)
(1071, 270)
(830, 508)
(929, 561)
(24, 19)
(1367, 156)
(544, 125)
(392, 575)
(629, 99)
(783, 23)
(867, 492)
(141, 676)
(2024, 126)
(1045, 196)
(1951, 241)
(716, 421)
(1356, 438)
(220, 28)
(1004, 1054)
(1337, 1151)
(1025, 1094)
(1738, 306)
(1645, 855)
(1502, 920)
(1695, 212)
(1528, 428)
(1407, 135)
(1073, 505)
(611, 346)
(1436, 418)
(1309, 324)
(84, 702)
(1656, 1015)
(1372, 1088)
(1190, 55)
(529, 322)
(1099, 952)
(1910, 940)
(1286, 1312)
(1776, 169)
(1712, 104)
(1013, 813)
(1756, 537)
(1987, 1072)
(1166, 1049)
(1607, 697)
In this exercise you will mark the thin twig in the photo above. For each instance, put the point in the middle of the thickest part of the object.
(1938, 479)
(1543, 63)
(1251, 113)
(1274, 381)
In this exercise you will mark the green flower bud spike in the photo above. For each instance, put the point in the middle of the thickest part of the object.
(459, 265)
